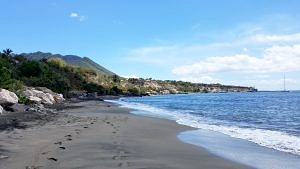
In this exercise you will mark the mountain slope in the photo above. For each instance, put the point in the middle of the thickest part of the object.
(72, 60)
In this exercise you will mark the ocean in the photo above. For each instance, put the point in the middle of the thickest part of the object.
(259, 129)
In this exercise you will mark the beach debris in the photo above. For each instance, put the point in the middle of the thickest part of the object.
(8, 98)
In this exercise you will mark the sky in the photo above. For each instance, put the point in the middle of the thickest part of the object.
(235, 42)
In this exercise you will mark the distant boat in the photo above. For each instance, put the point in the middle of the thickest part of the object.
(284, 88)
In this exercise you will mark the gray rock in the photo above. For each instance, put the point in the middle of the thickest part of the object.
(8, 98)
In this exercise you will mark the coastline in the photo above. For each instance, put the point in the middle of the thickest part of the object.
(105, 136)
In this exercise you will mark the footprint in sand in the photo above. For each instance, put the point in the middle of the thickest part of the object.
(46, 152)
(68, 137)
(52, 159)
(118, 157)
(63, 148)
(59, 143)
(77, 131)
(127, 164)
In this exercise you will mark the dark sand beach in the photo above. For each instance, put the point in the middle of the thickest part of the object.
(104, 136)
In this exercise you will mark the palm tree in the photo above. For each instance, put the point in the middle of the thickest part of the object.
(7, 52)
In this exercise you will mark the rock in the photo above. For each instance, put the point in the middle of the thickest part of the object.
(43, 95)
(8, 98)
(35, 99)
(50, 97)
(58, 98)
(46, 98)
(1, 109)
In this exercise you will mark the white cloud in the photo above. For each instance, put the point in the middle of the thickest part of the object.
(74, 15)
(263, 38)
(77, 16)
(200, 79)
(131, 76)
(273, 59)
(239, 54)
(178, 53)
(245, 50)
(270, 84)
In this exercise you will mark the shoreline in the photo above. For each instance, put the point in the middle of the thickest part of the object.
(105, 136)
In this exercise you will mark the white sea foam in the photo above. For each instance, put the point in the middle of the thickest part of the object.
(272, 139)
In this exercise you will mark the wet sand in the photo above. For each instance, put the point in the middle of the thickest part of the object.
(104, 136)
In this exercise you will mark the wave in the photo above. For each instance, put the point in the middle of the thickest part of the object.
(272, 139)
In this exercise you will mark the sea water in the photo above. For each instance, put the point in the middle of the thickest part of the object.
(260, 129)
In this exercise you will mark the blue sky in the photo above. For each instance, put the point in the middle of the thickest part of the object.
(236, 42)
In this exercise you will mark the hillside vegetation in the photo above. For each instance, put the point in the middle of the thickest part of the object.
(54, 73)
(74, 60)
(70, 74)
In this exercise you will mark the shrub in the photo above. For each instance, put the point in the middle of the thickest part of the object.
(5, 74)
(30, 69)
(58, 62)
(134, 91)
(116, 79)
(23, 99)
(7, 82)
(92, 87)
(20, 58)
(12, 85)
(115, 90)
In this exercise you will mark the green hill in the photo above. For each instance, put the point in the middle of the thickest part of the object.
(83, 62)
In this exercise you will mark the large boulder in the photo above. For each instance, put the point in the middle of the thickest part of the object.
(8, 98)
(43, 95)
